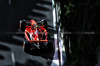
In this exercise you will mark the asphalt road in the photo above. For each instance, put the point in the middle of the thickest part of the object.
(98, 63)
(11, 12)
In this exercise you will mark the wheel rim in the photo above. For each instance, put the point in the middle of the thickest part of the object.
(20, 24)
(23, 46)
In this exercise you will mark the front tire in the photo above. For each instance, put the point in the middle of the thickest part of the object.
(26, 46)
(50, 47)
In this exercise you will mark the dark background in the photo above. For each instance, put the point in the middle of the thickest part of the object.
(11, 41)
(79, 17)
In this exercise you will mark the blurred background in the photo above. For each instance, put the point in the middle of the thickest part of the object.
(80, 24)
(77, 23)
(11, 40)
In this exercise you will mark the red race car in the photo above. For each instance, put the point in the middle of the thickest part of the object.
(36, 37)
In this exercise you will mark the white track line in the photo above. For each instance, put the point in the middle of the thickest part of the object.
(9, 2)
(13, 58)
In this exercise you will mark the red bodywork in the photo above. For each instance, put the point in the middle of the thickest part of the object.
(34, 33)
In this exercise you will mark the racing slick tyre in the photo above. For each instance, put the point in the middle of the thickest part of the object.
(44, 36)
(44, 22)
(26, 46)
(50, 46)
(22, 25)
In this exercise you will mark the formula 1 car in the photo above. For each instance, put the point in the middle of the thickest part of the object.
(35, 35)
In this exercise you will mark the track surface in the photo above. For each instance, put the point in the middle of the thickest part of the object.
(11, 12)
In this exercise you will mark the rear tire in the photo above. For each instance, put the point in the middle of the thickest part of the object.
(44, 22)
(44, 36)
(22, 25)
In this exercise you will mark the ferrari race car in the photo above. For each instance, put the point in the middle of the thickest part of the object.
(36, 37)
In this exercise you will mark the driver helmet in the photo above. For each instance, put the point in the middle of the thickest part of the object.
(33, 24)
